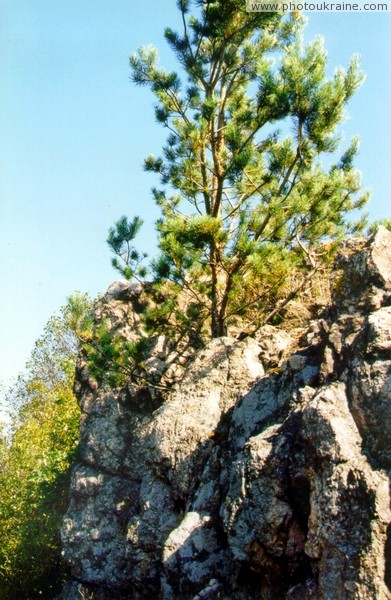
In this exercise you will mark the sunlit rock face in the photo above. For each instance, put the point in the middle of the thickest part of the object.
(262, 475)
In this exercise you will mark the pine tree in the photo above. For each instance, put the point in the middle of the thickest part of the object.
(247, 199)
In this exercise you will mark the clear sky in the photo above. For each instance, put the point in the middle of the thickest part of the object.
(74, 132)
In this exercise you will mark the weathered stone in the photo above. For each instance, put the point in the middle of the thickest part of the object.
(379, 332)
(263, 474)
(93, 527)
(302, 501)
(366, 273)
(181, 433)
(274, 344)
(192, 553)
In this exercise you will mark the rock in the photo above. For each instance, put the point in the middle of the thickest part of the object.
(265, 471)
(159, 457)
(379, 332)
(191, 552)
(274, 344)
(181, 434)
(94, 529)
(296, 314)
(122, 287)
(365, 279)
(302, 502)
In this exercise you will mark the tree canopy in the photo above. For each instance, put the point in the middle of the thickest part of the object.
(35, 459)
(251, 191)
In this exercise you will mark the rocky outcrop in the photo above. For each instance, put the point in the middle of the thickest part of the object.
(263, 474)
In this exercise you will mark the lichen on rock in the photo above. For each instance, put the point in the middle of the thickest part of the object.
(263, 474)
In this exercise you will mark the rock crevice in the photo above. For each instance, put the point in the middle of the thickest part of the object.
(264, 474)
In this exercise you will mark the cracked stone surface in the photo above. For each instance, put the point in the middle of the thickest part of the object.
(265, 472)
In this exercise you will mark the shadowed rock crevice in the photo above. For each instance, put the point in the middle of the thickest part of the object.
(262, 475)
(387, 558)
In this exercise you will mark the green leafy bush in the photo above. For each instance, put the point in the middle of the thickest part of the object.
(35, 462)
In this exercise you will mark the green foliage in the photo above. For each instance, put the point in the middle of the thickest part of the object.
(127, 259)
(111, 358)
(384, 222)
(245, 202)
(35, 464)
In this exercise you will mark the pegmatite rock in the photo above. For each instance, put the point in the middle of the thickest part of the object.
(264, 474)
(304, 508)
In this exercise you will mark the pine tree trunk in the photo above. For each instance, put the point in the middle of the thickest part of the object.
(218, 312)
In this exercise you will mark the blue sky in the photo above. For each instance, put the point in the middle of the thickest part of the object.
(74, 132)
